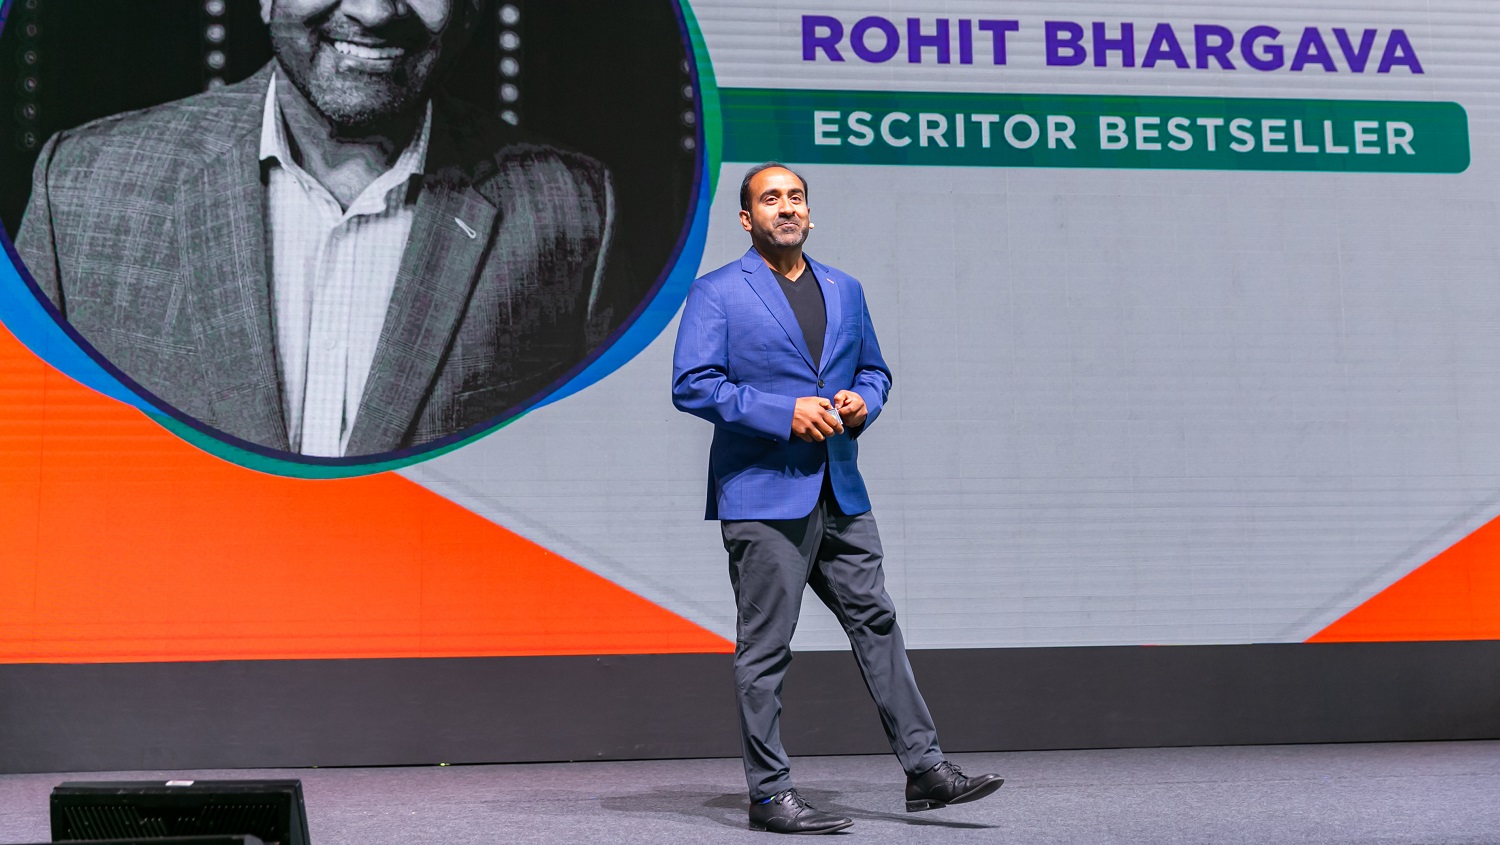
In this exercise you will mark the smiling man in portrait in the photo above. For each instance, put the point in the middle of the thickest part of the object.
(331, 258)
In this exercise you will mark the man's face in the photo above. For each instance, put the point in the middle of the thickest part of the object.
(363, 61)
(778, 209)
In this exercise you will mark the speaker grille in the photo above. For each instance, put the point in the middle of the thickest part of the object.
(118, 821)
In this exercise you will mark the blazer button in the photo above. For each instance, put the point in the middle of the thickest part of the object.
(820, 382)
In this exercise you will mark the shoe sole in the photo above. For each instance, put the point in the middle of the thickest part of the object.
(834, 829)
(922, 804)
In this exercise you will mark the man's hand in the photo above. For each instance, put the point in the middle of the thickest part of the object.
(813, 420)
(851, 408)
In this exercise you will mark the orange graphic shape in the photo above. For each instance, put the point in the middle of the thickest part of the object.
(1454, 596)
(119, 542)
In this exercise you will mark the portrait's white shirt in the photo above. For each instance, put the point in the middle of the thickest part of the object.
(332, 275)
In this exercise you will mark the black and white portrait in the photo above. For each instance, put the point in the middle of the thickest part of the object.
(367, 243)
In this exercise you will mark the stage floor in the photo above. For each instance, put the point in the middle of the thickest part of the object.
(1418, 793)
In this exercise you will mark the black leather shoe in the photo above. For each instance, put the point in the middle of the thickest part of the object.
(786, 812)
(944, 784)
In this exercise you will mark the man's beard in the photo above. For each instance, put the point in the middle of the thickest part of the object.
(351, 98)
(788, 239)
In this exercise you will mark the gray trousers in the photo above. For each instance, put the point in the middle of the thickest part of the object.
(839, 557)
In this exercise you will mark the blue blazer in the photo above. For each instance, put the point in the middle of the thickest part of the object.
(741, 363)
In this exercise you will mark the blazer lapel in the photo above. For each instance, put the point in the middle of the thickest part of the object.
(437, 275)
(221, 212)
(769, 290)
(832, 305)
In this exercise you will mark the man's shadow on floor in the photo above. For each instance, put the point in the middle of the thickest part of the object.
(730, 809)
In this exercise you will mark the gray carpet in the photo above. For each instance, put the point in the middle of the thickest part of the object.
(1410, 793)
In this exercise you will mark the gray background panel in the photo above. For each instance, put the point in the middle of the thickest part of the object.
(1130, 406)
(278, 713)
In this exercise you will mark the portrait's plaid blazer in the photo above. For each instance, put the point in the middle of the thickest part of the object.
(147, 232)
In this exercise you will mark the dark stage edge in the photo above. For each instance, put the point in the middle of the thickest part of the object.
(238, 714)
(1411, 793)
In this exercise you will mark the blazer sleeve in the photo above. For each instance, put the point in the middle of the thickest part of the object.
(35, 242)
(701, 375)
(872, 378)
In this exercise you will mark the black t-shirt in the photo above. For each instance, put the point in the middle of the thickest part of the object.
(805, 296)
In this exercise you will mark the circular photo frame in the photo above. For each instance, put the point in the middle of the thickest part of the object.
(322, 242)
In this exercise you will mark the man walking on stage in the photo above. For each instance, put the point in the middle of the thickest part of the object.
(778, 352)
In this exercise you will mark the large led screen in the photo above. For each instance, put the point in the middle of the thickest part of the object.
(1192, 312)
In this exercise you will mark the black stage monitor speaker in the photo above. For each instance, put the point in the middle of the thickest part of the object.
(150, 811)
